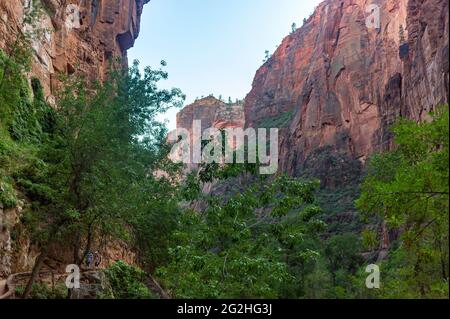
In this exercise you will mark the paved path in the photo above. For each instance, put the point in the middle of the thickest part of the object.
(7, 287)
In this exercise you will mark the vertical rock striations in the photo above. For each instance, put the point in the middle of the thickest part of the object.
(81, 36)
(342, 83)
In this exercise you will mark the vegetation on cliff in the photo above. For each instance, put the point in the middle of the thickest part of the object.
(409, 188)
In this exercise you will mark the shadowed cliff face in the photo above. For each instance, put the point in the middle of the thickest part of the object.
(83, 36)
(343, 83)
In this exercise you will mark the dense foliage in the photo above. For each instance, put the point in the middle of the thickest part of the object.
(43, 291)
(89, 168)
(243, 247)
(409, 188)
(127, 282)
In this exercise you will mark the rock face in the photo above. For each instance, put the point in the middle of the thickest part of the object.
(212, 113)
(94, 285)
(8, 220)
(426, 68)
(80, 36)
(340, 82)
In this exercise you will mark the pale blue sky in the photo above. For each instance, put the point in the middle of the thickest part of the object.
(214, 46)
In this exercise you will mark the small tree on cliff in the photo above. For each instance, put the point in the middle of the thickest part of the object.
(293, 27)
(266, 56)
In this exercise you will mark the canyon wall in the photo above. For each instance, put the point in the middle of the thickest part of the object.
(338, 83)
(212, 113)
(80, 36)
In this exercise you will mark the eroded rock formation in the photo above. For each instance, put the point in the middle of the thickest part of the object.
(213, 113)
(210, 113)
(80, 35)
(339, 82)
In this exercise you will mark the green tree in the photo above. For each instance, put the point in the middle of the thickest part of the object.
(343, 253)
(101, 160)
(409, 188)
(241, 247)
(127, 282)
(370, 239)
(293, 27)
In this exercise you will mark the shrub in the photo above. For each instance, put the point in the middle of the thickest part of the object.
(128, 282)
(43, 291)
(278, 121)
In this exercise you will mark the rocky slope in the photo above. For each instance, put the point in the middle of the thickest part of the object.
(337, 83)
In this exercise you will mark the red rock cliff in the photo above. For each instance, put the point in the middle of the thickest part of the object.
(82, 36)
(213, 113)
(341, 83)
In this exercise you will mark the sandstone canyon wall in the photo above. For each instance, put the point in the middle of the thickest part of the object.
(81, 37)
(343, 83)
(212, 113)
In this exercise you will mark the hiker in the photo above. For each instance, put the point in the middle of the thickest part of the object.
(89, 259)
(97, 259)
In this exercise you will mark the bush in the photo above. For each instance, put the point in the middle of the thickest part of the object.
(128, 282)
(279, 121)
(43, 291)
(7, 193)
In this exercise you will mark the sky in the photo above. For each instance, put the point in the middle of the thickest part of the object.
(214, 46)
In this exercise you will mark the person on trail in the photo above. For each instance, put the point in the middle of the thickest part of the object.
(97, 259)
(89, 259)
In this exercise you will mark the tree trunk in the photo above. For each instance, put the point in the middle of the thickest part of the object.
(76, 249)
(88, 243)
(443, 260)
(40, 261)
(35, 273)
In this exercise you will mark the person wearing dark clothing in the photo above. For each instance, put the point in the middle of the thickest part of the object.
(89, 259)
